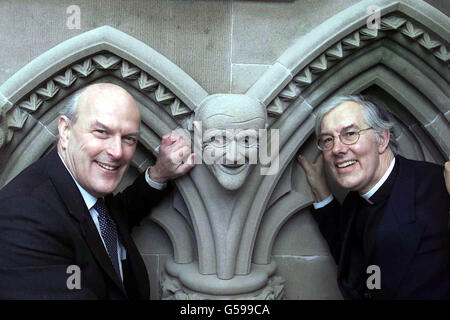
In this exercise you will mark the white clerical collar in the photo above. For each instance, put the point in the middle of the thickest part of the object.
(375, 188)
(89, 199)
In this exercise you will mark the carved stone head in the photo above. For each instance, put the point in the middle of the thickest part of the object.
(230, 124)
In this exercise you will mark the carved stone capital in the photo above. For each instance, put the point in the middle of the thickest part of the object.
(183, 282)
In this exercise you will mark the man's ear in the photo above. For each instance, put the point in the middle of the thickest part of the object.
(384, 138)
(64, 131)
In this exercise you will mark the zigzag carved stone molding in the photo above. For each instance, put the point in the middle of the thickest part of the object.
(347, 46)
(17, 115)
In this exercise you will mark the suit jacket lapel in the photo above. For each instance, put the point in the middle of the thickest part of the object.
(398, 234)
(90, 233)
(71, 197)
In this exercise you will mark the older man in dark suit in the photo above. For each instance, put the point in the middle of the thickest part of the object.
(393, 224)
(59, 216)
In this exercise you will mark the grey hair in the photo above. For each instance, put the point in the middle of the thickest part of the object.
(376, 116)
(70, 110)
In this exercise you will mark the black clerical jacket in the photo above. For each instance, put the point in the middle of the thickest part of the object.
(412, 240)
(45, 227)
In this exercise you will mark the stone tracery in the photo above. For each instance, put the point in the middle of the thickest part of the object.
(291, 108)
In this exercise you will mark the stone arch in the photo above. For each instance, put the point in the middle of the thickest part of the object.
(412, 33)
(31, 100)
(407, 57)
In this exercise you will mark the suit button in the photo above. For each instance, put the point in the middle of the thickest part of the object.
(367, 295)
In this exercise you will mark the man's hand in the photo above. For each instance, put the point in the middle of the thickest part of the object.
(174, 158)
(315, 173)
(447, 175)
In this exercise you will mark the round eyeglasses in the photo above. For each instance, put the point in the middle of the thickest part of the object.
(348, 136)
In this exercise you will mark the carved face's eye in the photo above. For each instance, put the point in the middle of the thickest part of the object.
(218, 141)
(214, 138)
(247, 138)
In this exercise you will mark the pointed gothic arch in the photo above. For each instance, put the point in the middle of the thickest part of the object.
(32, 99)
(407, 57)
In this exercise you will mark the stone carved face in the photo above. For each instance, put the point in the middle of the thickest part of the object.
(230, 124)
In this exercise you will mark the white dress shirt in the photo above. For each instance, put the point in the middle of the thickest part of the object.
(367, 195)
(90, 201)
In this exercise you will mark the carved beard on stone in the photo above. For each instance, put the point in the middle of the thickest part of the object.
(230, 125)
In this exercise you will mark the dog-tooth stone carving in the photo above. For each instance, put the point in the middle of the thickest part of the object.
(223, 226)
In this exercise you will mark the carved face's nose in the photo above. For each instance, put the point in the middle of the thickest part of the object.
(233, 158)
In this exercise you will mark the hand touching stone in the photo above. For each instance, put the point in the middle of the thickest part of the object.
(174, 158)
(315, 173)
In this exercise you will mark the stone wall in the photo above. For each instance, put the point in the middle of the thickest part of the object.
(226, 47)
(223, 45)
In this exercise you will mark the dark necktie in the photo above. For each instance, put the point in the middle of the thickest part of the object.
(109, 233)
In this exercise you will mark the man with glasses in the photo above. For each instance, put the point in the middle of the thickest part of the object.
(394, 218)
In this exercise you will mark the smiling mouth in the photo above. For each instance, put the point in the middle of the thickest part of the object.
(107, 167)
(231, 168)
(234, 165)
(345, 164)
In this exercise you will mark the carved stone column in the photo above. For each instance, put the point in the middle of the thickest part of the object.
(222, 220)
(184, 282)
(228, 145)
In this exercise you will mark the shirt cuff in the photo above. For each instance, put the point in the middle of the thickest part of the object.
(154, 184)
(323, 203)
